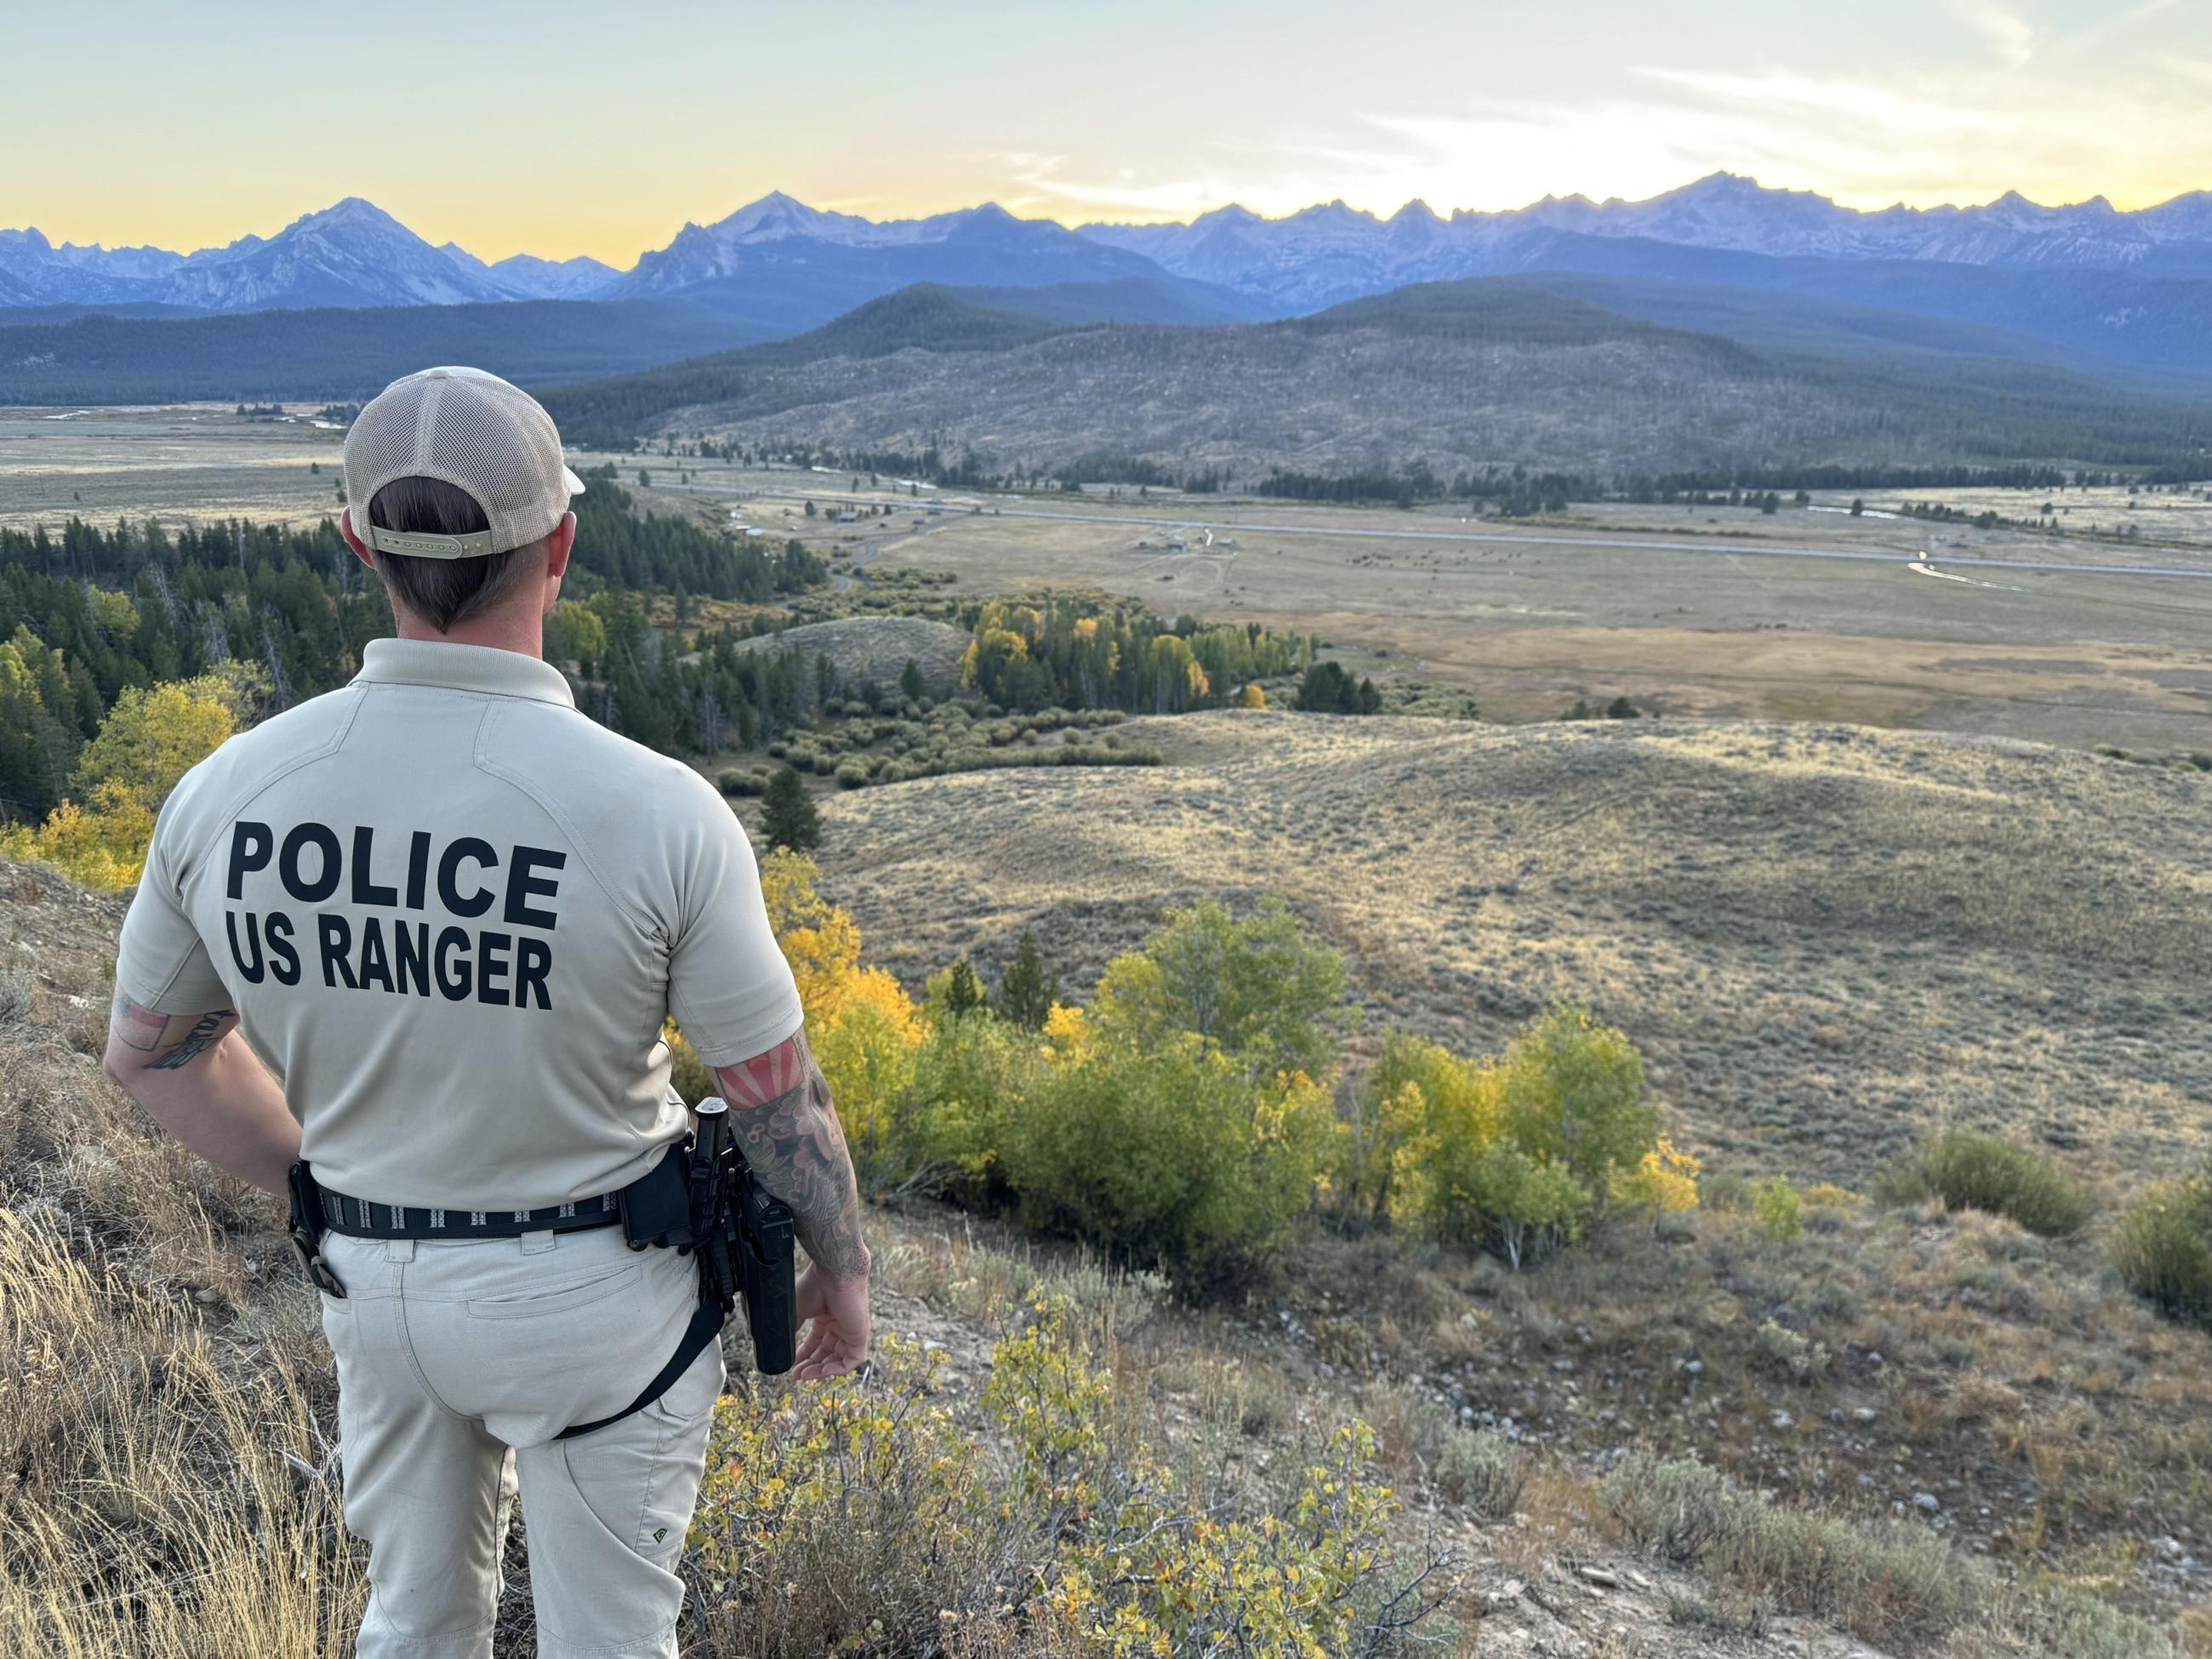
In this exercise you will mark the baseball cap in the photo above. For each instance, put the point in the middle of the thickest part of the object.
(471, 430)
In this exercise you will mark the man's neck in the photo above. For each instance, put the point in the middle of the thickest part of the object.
(510, 628)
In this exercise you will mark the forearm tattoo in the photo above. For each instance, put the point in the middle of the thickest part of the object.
(785, 1123)
(136, 1026)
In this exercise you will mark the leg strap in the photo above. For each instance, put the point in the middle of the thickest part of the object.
(706, 1324)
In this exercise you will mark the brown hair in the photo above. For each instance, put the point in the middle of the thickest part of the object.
(441, 591)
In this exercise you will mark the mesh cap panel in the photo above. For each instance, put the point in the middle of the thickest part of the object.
(474, 431)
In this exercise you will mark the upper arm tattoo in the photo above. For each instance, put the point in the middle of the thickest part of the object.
(136, 1026)
(786, 1124)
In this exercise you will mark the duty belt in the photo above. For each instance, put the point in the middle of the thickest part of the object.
(358, 1217)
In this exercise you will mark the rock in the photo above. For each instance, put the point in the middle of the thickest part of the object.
(1602, 1578)
(1928, 1501)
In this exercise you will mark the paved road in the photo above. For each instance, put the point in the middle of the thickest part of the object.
(1547, 539)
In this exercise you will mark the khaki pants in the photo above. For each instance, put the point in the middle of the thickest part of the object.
(449, 1355)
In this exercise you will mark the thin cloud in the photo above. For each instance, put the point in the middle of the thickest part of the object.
(2009, 35)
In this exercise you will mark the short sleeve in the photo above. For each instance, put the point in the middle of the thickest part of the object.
(729, 987)
(161, 961)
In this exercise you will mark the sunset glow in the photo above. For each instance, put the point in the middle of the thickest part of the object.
(558, 128)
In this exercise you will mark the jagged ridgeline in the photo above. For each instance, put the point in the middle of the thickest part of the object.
(88, 613)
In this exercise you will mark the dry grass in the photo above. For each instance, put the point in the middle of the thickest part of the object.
(165, 1498)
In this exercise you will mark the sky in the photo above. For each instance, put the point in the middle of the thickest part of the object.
(558, 128)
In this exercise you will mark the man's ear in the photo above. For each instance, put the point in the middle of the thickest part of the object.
(360, 547)
(558, 546)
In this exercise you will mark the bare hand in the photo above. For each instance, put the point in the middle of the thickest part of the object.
(835, 1317)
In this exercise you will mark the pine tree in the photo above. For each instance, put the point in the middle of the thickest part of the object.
(911, 682)
(789, 818)
(1026, 992)
(961, 992)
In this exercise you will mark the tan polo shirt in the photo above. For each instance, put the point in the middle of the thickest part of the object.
(451, 913)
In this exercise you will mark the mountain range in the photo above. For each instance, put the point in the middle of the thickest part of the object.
(355, 254)
(2086, 290)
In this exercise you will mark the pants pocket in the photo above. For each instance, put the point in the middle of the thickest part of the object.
(538, 1302)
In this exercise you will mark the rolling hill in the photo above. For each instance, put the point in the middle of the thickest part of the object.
(80, 354)
(1827, 939)
(1456, 375)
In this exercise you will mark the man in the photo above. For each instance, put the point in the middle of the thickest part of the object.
(424, 933)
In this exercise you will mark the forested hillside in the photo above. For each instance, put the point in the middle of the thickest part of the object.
(88, 614)
(343, 353)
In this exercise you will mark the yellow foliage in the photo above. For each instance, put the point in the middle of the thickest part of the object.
(103, 846)
(1068, 1037)
(817, 939)
(863, 1027)
(149, 740)
(153, 736)
(809, 1491)
(866, 1052)
(1664, 1181)
(1253, 696)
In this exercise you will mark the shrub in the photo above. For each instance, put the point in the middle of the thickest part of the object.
(1664, 1183)
(17, 992)
(2161, 1247)
(1147, 1565)
(741, 783)
(1482, 1471)
(1517, 1153)
(819, 940)
(868, 1518)
(867, 1049)
(1973, 1171)
(1252, 987)
(852, 773)
(1891, 1581)
(968, 1076)
(1170, 1155)
(1796, 1357)
(872, 1502)
(1677, 1507)
(1779, 1211)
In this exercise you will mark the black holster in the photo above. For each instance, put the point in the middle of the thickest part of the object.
(744, 1236)
(702, 1198)
(306, 1227)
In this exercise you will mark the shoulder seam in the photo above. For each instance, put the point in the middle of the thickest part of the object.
(514, 781)
(337, 741)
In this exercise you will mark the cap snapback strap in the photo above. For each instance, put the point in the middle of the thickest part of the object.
(422, 544)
